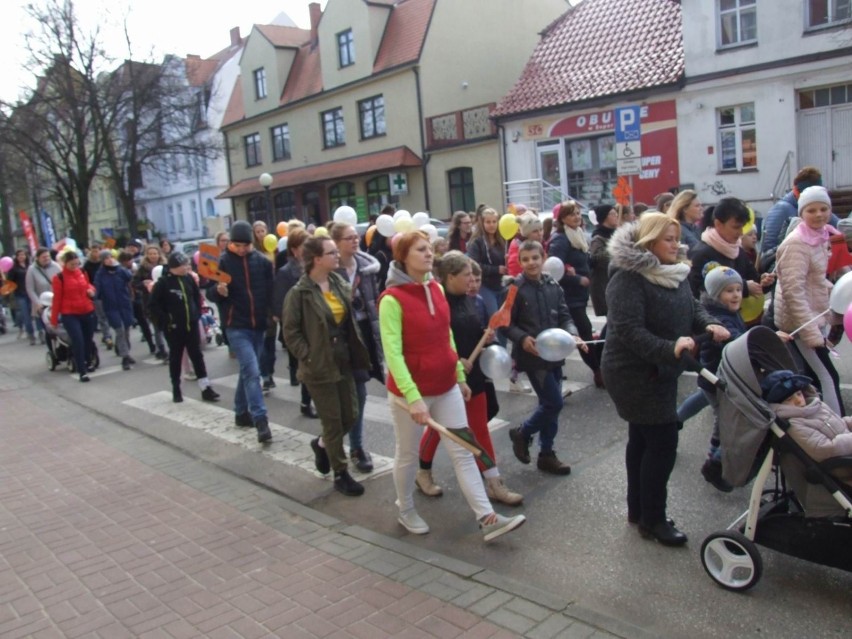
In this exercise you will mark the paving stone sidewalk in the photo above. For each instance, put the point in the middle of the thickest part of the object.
(107, 533)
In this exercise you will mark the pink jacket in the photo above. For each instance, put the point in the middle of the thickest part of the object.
(821, 432)
(802, 291)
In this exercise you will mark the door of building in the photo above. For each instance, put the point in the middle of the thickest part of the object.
(825, 141)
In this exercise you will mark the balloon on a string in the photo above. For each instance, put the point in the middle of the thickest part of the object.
(495, 362)
(157, 272)
(346, 215)
(282, 244)
(508, 226)
(847, 321)
(555, 344)
(752, 307)
(321, 231)
(420, 219)
(195, 257)
(431, 231)
(6, 263)
(748, 226)
(554, 267)
(403, 225)
(368, 236)
(281, 229)
(841, 294)
(384, 225)
(401, 213)
(270, 242)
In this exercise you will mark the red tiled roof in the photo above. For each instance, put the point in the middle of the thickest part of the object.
(405, 33)
(305, 76)
(235, 110)
(198, 71)
(600, 48)
(400, 157)
(284, 36)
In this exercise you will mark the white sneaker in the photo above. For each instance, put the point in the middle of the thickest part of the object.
(413, 522)
(519, 386)
(190, 375)
(501, 526)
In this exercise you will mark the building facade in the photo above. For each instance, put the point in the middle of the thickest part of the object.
(381, 101)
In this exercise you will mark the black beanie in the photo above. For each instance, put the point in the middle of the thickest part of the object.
(241, 232)
(177, 259)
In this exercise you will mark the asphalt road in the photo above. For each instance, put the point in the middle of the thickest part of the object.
(577, 544)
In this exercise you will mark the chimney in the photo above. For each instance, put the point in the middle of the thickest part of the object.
(316, 14)
(236, 40)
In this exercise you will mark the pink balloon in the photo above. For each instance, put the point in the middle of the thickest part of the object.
(394, 240)
(6, 263)
(196, 256)
(847, 322)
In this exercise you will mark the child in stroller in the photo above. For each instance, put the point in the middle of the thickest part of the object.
(57, 341)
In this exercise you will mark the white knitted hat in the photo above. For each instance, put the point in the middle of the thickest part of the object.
(813, 194)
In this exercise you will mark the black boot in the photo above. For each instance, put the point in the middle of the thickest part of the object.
(177, 396)
(344, 483)
(209, 395)
(263, 432)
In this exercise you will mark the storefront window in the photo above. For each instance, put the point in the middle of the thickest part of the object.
(340, 194)
(378, 194)
(591, 168)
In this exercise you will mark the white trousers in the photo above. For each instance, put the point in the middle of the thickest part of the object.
(448, 410)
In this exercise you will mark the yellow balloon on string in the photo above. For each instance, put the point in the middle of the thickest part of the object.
(748, 226)
(752, 307)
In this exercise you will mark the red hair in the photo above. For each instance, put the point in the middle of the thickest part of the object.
(405, 242)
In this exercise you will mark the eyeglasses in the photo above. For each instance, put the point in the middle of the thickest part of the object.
(335, 252)
(350, 238)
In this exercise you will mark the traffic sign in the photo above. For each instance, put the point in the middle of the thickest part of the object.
(628, 140)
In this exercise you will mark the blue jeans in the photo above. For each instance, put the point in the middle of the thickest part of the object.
(248, 345)
(25, 313)
(545, 419)
(356, 432)
(692, 405)
(81, 331)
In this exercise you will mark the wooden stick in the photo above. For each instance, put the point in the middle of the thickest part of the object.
(479, 347)
(443, 430)
(811, 321)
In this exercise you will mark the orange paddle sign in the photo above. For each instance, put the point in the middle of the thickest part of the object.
(8, 287)
(208, 264)
(503, 316)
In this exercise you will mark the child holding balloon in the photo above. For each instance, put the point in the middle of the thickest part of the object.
(540, 305)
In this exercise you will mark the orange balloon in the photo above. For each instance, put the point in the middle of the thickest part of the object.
(281, 229)
(368, 236)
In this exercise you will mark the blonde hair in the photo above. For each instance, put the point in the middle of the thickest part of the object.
(680, 203)
(479, 230)
(652, 226)
(452, 263)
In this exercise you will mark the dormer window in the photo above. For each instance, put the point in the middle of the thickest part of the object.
(823, 13)
(345, 48)
(737, 22)
(260, 83)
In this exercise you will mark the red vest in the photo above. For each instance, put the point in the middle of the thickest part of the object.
(426, 347)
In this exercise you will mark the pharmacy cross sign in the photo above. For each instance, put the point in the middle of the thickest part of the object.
(399, 183)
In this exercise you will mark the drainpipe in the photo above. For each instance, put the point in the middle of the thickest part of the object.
(230, 176)
(425, 157)
(501, 135)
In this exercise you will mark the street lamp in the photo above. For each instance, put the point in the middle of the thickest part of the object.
(265, 180)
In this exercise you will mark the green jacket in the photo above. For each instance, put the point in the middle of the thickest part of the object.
(308, 329)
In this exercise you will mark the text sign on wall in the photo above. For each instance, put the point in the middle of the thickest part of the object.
(628, 140)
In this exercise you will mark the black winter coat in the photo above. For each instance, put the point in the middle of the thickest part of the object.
(249, 292)
(175, 303)
(490, 258)
(576, 295)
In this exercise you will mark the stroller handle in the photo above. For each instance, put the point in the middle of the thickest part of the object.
(695, 366)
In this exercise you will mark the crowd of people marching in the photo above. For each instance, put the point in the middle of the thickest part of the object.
(412, 310)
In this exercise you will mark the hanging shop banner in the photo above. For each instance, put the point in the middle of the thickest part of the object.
(47, 228)
(29, 231)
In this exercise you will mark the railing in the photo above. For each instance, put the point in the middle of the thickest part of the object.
(784, 179)
(536, 194)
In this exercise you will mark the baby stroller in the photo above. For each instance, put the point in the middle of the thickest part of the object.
(58, 342)
(807, 513)
(210, 325)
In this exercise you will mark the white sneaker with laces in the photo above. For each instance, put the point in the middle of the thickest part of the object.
(413, 522)
(519, 386)
(501, 526)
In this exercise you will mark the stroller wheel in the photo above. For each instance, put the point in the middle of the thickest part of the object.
(732, 560)
(219, 340)
(51, 361)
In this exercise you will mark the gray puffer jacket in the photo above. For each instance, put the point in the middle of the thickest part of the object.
(650, 305)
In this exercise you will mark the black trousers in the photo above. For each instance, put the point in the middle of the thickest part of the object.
(650, 458)
(584, 329)
(178, 338)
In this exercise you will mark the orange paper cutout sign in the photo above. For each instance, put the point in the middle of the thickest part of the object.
(8, 287)
(109, 243)
(622, 191)
(208, 264)
(503, 316)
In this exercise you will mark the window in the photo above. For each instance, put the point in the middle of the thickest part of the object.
(345, 48)
(179, 216)
(461, 189)
(284, 203)
(340, 194)
(332, 126)
(372, 112)
(737, 22)
(260, 83)
(252, 143)
(737, 138)
(281, 142)
(821, 13)
(210, 208)
(171, 216)
(193, 214)
(378, 194)
(827, 96)
(256, 208)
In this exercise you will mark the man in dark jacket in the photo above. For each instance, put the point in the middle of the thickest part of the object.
(245, 306)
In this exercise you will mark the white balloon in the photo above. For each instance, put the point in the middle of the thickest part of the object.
(495, 362)
(157, 272)
(403, 225)
(401, 213)
(384, 225)
(419, 219)
(431, 231)
(554, 344)
(593, 217)
(841, 294)
(346, 215)
(282, 244)
(554, 267)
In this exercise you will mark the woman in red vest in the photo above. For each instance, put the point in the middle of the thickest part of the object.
(424, 369)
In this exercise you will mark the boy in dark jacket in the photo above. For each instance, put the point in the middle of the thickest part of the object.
(112, 283)
(175, 308)
(539, 305)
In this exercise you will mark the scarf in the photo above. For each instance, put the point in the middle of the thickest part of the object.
(813, 237)
(577, 238)
(711, 237)
(666, 275)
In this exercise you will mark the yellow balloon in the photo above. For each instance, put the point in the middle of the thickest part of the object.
(368, 236)
(508, 226)
(749, 225)
(321, 232)
(270, 243)
(752, 307)
(403, 225)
